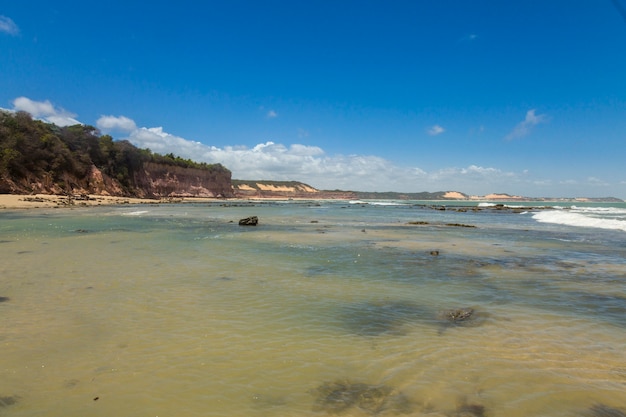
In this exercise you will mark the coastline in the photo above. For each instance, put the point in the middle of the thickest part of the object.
(33, 201)
(39, 201)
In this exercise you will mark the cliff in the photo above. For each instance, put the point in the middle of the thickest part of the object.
(161, 180)
(283, 189)
(37, 157)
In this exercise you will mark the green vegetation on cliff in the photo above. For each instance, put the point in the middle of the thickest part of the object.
(42, 157)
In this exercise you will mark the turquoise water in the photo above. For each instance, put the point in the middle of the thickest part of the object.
(323, 308)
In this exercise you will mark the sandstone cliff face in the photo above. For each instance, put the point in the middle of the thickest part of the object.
(158, 180)
(151, 181)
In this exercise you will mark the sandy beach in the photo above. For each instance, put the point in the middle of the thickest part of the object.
(18, 201)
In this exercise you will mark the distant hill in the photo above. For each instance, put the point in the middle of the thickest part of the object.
(438, 195)
(38, 157)
(284, 189)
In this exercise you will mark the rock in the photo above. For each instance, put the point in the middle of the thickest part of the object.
(434, 253)
(249, 221)
(340, 396)
(465, 409)
(457, 315)
(603, 410)
(9, 400)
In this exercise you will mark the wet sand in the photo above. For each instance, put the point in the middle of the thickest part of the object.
(29, 201)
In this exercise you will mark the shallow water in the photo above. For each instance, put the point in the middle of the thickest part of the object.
(177, 310)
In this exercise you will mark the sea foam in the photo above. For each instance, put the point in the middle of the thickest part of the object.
(597, 217)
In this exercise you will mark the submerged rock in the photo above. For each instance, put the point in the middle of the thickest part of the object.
(340, 396)
(465, 409)
(7, 401)
(457, 315)
(460, 317)
(249, 221)
(603, 410)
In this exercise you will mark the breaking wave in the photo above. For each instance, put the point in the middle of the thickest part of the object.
(612, 218)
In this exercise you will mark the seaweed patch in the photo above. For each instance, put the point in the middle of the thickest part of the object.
(457, 317)
(603, 410)
(343, 395)
(7, 401)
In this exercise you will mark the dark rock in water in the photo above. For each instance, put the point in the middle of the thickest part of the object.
(458, 314)
(602, 410)
(335, 397)
(434, 252)
(460, 225)
(7, 401)
(460, 317)
(3, 299)
(340, 396)
(469, 410)
(249, 221)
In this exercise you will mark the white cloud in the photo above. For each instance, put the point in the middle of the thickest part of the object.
(311, 164)
(8, 26)
(119, 123)
(44, 110)
(436, 130)
(272, 114)
(524, 128)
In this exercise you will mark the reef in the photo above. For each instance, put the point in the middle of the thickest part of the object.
(249, 221)
(9, 400)
(457, 315)
(343, 395)
(603, 410)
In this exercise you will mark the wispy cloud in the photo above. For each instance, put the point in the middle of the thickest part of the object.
(525, 127)
(7, 25)
(470, 37)
(271, 114)
(45, 111)
(436, 130)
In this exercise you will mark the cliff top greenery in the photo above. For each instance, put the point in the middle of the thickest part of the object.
(34, 150)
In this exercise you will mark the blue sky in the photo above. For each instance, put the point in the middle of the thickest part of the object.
(523, 97)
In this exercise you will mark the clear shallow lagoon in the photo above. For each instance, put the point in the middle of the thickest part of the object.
(175, 310)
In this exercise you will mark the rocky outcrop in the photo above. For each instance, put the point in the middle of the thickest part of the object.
(152, 180)
(159, 180)
(249, 221)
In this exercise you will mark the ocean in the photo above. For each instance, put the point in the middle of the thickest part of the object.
(324, 308)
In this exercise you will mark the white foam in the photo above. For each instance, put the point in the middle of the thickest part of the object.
(579, 219)
(135, 213)
(378, 203)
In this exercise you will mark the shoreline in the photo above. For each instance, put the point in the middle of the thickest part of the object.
(34, 201)
(41, 201)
